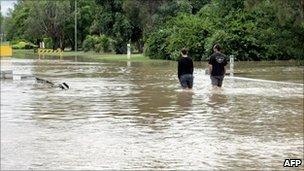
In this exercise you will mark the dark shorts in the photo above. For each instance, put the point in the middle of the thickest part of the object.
(186, 80)
(217, 80)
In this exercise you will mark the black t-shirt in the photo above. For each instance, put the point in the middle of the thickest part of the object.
(218, 62)
(185, 66)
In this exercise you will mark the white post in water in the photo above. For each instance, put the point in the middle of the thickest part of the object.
(129, 50)
(231, 65)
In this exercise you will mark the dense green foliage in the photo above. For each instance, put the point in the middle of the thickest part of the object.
(48, 43)
(254, 33)
(100, 43)
(181, 31)
(248, 29)
(23, 45)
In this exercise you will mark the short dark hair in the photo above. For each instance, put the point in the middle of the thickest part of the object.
(217, 47)
(184, 51)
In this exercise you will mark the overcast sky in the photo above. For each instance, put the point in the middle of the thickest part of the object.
(6, 4)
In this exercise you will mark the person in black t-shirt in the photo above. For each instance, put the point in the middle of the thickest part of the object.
(217, 63)
(185, 70)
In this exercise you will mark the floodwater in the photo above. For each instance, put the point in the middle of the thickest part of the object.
(120, 115)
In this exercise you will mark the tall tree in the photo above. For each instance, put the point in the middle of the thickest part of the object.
(85, 17)
(49, 18)
(111, 21)
(15, 22)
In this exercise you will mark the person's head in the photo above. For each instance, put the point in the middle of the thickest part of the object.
(216, 48)
(184, 51)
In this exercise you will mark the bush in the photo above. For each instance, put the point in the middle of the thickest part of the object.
(16, 41)
(185, 30)
(105, 43)
(15, 47)
(48, 43)
(155, 46)
(23, 45)
(100, 43)
(88, 43)
(120, 45)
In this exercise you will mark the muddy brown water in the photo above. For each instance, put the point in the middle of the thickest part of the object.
(120, 115)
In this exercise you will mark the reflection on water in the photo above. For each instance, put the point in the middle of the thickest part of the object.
(217, 99)
(134, 115)
(184, 99)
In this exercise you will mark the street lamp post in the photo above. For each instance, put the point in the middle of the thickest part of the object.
(75, 25)
(1, 27)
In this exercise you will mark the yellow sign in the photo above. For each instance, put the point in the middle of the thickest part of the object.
(6, 51)
(50, 51)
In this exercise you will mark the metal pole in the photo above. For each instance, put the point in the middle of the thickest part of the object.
(75, 25)
(1, 25)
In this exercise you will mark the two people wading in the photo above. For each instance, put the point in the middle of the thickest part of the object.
(217, 70)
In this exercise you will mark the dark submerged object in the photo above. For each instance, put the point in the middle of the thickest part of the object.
(63, 86)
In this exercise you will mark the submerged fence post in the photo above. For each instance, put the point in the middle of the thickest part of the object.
(129, 50)
(231, 65)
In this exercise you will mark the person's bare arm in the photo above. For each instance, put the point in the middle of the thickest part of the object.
(210, 68)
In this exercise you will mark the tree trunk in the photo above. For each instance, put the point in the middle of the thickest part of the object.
(71, 43)
(61, 44)
(301, 9)
(140, 45)
(55, 43)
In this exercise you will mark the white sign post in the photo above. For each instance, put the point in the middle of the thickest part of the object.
(231, 65)
(42, 45)
(129, 50)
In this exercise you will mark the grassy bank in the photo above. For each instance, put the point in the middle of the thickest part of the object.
(110, 57)
(18, 53)
(29, 53)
